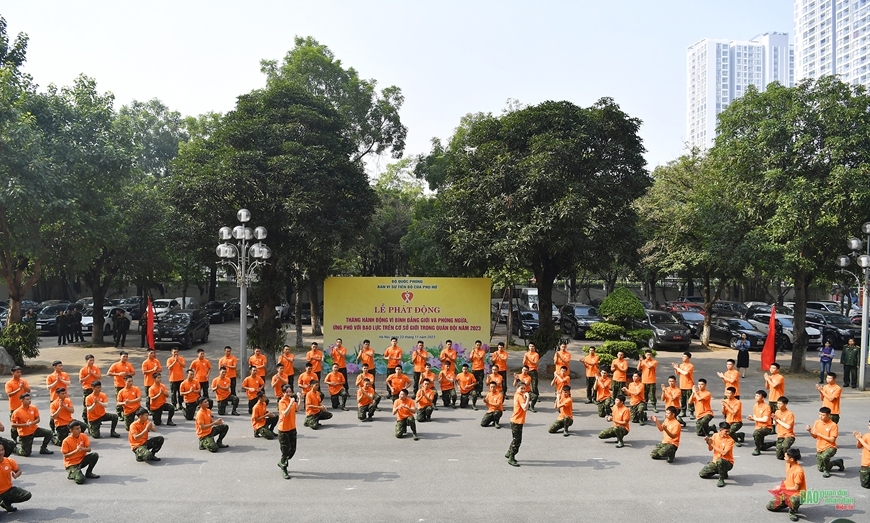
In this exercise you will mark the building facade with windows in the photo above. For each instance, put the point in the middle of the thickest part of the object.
(833, 37)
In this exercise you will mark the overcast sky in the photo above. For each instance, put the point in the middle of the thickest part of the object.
(448, 57)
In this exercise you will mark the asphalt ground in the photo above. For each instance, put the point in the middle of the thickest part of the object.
(352, 471)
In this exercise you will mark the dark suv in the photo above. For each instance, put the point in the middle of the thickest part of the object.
(577, 318)
(182, 327)
(835, 328)
(667, 331)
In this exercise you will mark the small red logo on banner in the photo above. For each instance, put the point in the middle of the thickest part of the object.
(407, 296)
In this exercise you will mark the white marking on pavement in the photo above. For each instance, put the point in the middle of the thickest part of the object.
(448, 460)
(200, 468)
(350, 488)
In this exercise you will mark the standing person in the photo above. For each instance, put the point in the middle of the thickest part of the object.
(732, 409)
(393, 355)
(742, 347)
(686, 373)
(783, 421)
(231, 363)
(499, 358)
(478, 364)
(396, 382)
(176, 365)
(366, 400)
(308, 382)
(10, 494)
(447, 381)
(637, 404)
(830, 396)
(339, 357)
(55, 381)
(518, 419)
(561, 379)
(494, 376)
(201, 370)
(404, 410)
(130, 400)
(223, 393)
(425, 398)
(208, 428)
(26, 420)
(494, 402)
(647, 367)
(562, 357)
(672, 397)
(467, 384)
(701, 397)
(77, 333)
(120, 328)
(775, 383)
(96, 404)
(420, 359)
(620, 416)
(565, 407)
(531, 359)
(763, 418)
(427, 374)
(619, 372)
(76, 450)
(730, 378)
(849, 359)
(335, 383)
(61, 411)
(366, 356)
(671, 429)
(60, 322)
(863, 443)
(258, 360)
(604, 393)
(190, 392)
(253, 385)
(118, 371)
(723, 454)
(262, 419)
(287, 358)
(279, 379)
(158, 401)
(314, 411)
(286, 429)
(15, 387)
(794, 483)
(448, 354)
(315, 358)
(150, 366)
(144, 448)
(590, 364)
(825, 432)
(826, 357)
(87, 376)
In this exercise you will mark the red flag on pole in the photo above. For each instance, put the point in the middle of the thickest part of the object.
(768, 354)
(149, 324)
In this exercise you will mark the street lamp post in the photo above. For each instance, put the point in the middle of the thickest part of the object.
(863, 260)
(244, 258)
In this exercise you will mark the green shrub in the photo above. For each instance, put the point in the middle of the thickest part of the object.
(21, 340)
(639, 336)
(605, 331)
(545, 341)
(604, 360)
(621, 307)
(612, 347)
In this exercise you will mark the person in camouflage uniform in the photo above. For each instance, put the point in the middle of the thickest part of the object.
(671, 429)
(723, 454)
(789, 494)
(404, 409)
(207, 429)
(144, 448)
(849, 359)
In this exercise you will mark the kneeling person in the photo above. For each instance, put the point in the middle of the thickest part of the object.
(262, 420)
(314, 410)
(670, 428)
(723, 454)
(208, 429)
(404, 409)
(96, 404)
(620, 417)
(26, 419)
(565, 407)
(143, 447)
(76, 450)
(494, 401)
(425, 401)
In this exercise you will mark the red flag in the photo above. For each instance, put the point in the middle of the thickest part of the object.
(768, 354)
(149, 324)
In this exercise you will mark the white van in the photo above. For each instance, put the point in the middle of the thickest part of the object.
(188, 303)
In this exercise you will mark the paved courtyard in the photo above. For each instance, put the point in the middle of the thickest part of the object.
(456, 472)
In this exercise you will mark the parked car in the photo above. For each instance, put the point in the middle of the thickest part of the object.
(730, 309)
(762, 323)
(236, 305)
(219, 312)
(691, 319)
(306, 313)
(726, 331)
(667, 331)
(188, 302)
(46, 320)
(161, 307)
(684, 306)
(109, 314)
(763, 308)
(525, 323)
(182, 327)
(577, 318)
(692, 299)
(283, 309)
(835, 328)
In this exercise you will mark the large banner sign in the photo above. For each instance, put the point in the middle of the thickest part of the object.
(431, 310)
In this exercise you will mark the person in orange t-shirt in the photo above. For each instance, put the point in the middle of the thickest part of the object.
(603, 393)
(397, 381)
(287, 358)
(61, 412)
(87, 376)
(223, 393)
(258, 361)
(702, 398)
(448, 354)
(775, 383)
(315, 358)
(561, 379)
(76, 450)
(647, 367)
(314, 411)
(565, 407)
(636, 400)
(447, 381)
(158, 396)
(732, 409)
(723, 454)
(590, 364)
(262, 419)
(494, 402)
(763, 419)
(731, 377)
(619, 371)
(26, 420)
(232, 364)
(15, 387)
(467, 384)
(176, 366)
(287, 429)
(783, 421)
(208, 428)
(190, 393)
(404, 409)
(150, 366)
(562, 357)
(825, 432)
(95, 405)
(686, 372)
(365, 374)
(621, 417)
(118, 371)
(279, 379)
(10, 494)
(531, 359)
(130, 399)
(830, 393)
(795, 482)
(427, 374)
(499, 358)
(393, 355)
(201, 369)
(426, 398)
(494, 376)
(307, 382)
(522, 400)
(863, 443)
(419, 358)
(335, 383)
(478, 365)
(339, 357)
(144, 448)
(366, 400)
(671, 428)
(366, 356)
(56, 380)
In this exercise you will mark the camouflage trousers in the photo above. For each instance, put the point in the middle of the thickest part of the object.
(613, 432)
(649, 392)
(685, 394)
(403, 425)
(425, 413)
(464, 398)
(664, 451)
(231, 400)
(759, 435)
(702, 425)
(338, 400)
(491, 418)
(149, 450)
(448, 397)
(792, 503)
(561, 424)
(865, 477)
(823, 459)
(74, 472)
(516, 440)
(366, 411)
(720, 467)
(94, 426)
(604, 407)
(782, 446)
(287, 443)
(734, 430)
(638, 413)
(313, 421)
(616, 388)
(208, 443)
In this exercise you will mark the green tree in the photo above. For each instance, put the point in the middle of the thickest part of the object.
(155, 131)
(798, 163)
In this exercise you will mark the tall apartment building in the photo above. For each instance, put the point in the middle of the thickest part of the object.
(720, 71)
(833, 37)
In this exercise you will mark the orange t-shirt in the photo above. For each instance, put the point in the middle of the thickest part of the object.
(231, 363)
(687, 381)
(495, 378)
(621, 417)
(635, 393)
(835, 391)
(315, 358)
(673, 426)
(732, 379)
(88, 375)
(176, 368)
(562, 359)
(404, 408)
(776, 387)
(602, 388)
(312, 403)
(865, 454)
(190, 390)
(795, 479)
(64, 416)
(426, 397)
(419, 359)
(448, 355)
(527, 379)
(565, 407)
(702, 403)
(648, 371)
(157, 395)
(121, 369)
(362, 376)
(397, 382)
(288, 422)
(367, 356)
(252, 385)
(519, 415)
(135, 428)
(494, 401)
(478, 359)
(339, 356)
(446, 380)
(393, 355)
(531, 359)
(53, 379)
(149, 367)
(69, 444)
(257, 413)
(305, 380)
(95, 400)
(221, 387)
(362, 398)
(467, 381)
(287, 360)
(427, 376)
(590, 362)
(760, 410)
(619, 368)
(201, 369)
(7, 467)
(561, 381)
(21, 386)
(672, 397)
(734, 412)
(829, 429)
(499, 359)
(337, 380)
(723, 447)
(258, 361)
(203, 418)
(787, 417)
(278, 381)
(132, 393)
